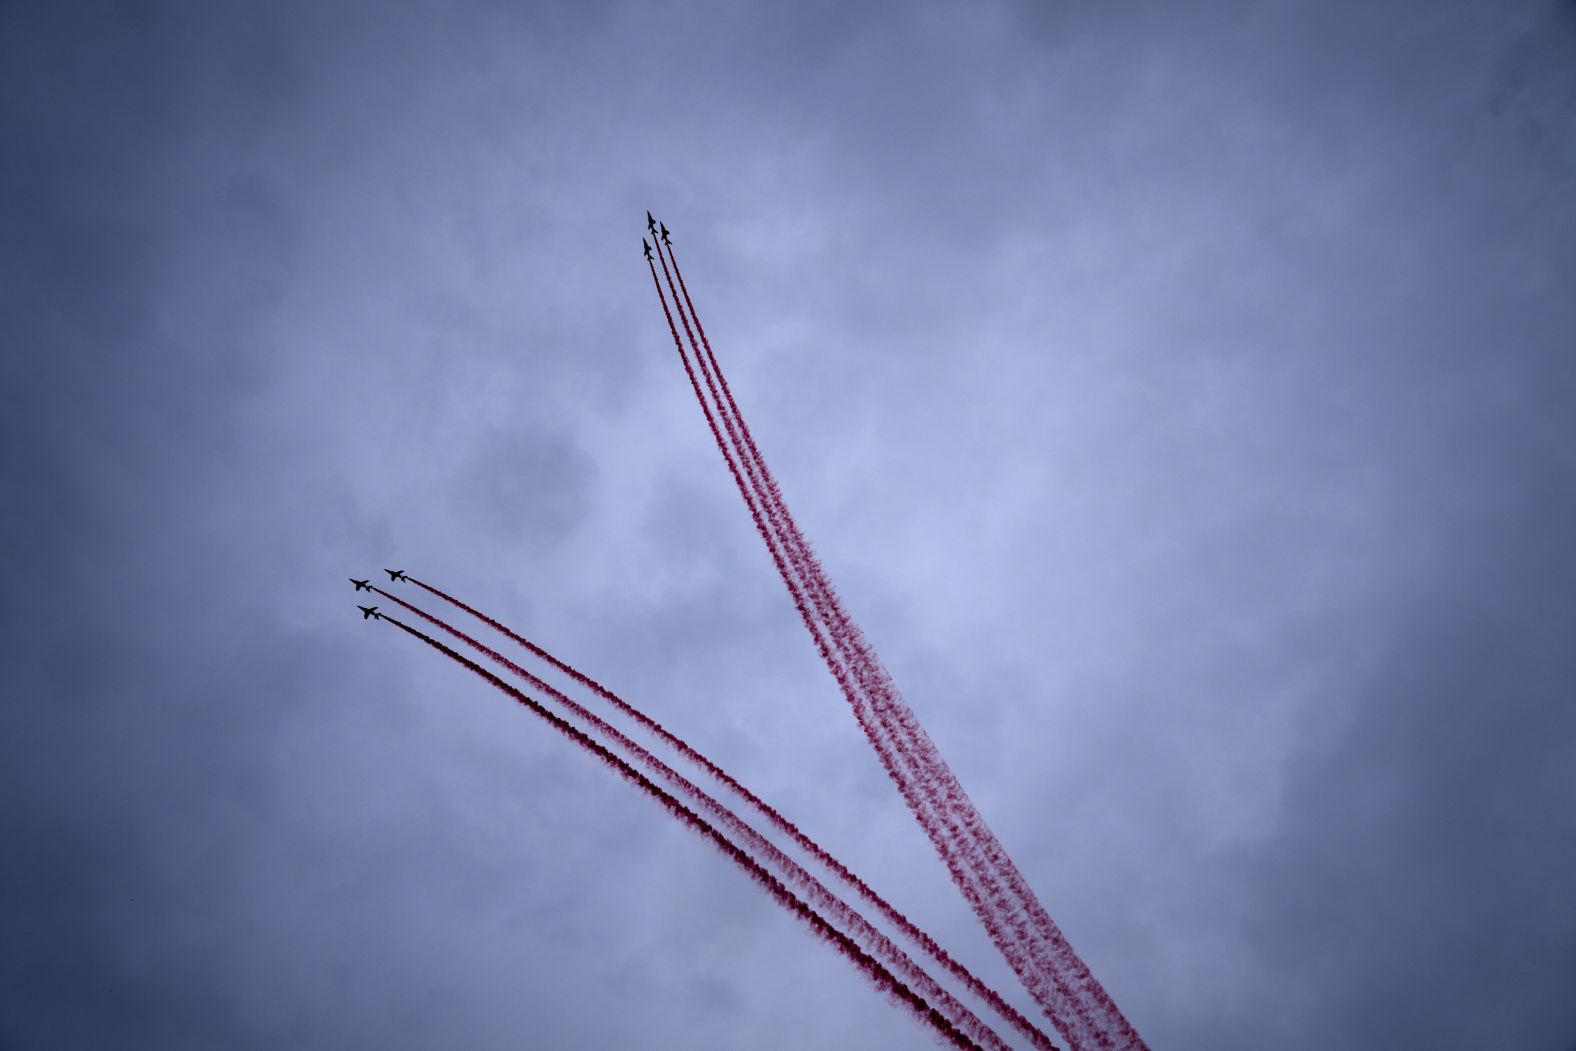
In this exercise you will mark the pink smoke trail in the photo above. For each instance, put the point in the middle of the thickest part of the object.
(753, 843)
(917, 934)
(855, 698)
(949, 810)
(953, 851)
(935, 814)
(1077, 1004)
(818, 923)
(967, 864)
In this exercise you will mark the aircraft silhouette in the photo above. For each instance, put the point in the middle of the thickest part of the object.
(396, 574)
(370, 611)
(665, 235)
(647, 247)
(361, 585)
(651, 224)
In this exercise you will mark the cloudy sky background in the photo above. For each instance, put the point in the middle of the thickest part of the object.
(1182, 396)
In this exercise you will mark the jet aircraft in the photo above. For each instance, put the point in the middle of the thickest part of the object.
(651, 224)
(396, 574)
(361, 585)
(646, 246)
(665, 235)
(370, 611)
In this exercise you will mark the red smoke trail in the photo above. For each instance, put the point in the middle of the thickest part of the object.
(954, 852)
(754, 843)
(920, 789)
(938, 818)
(1078, 1000)
(857, 654)
(854, 697)
(825, 930)
(977, 882)
(1050, 971)
(919, 936)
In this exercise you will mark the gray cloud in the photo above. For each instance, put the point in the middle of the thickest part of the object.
(1180, 398)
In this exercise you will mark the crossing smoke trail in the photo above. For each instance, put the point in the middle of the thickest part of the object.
(1074, 1000)
(915, 933)
(818, 923)
(758, 846)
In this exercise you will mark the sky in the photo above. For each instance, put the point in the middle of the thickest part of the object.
(1181, 397)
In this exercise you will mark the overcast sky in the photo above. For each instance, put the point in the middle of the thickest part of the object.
(1183, 397)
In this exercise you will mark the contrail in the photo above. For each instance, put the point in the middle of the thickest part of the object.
(918, 935)
(818, 923)
(753, 843)
(1075, 1001)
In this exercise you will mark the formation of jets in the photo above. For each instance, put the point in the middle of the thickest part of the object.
(371, 612)
(653, 227)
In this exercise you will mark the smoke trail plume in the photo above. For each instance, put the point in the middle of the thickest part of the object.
(1074, 1000)
(873, 702)
(753, 842)
(918, 935)
(817, 923)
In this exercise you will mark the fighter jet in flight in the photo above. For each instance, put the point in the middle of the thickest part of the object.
(647, 247)
(361, 585)
(396, 574)
(665, 235)
(370, 611)
(651, 224)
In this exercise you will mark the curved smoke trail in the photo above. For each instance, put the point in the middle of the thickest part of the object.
(1074, 1000)
(916, 934)
(872, 704)
(753, 843)
(818, 923)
